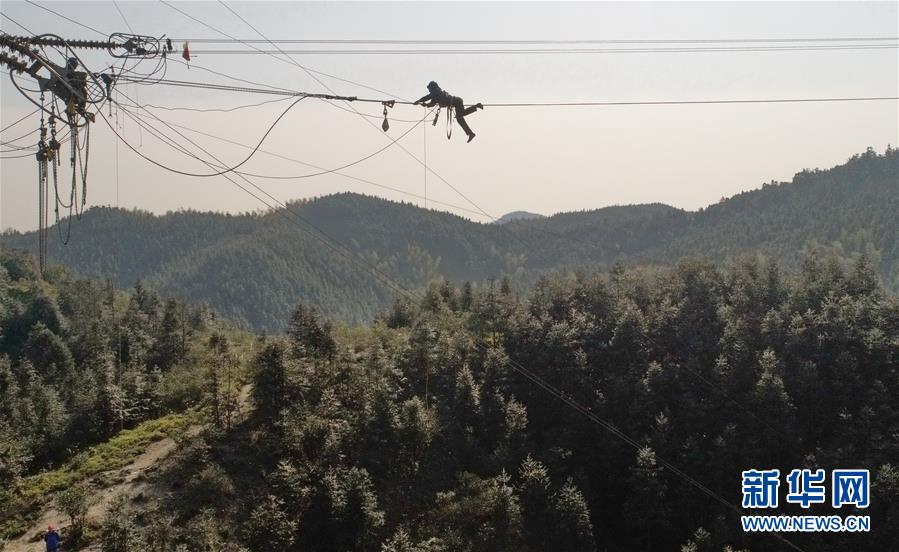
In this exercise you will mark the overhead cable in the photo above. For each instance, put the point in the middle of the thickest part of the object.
(754, 40)
(550, 51)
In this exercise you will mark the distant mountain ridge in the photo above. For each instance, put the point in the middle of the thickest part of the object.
(517, 215)
(256, 267)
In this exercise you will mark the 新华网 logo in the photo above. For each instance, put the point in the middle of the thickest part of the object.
(806, 488)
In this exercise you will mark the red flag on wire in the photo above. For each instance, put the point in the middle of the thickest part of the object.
(185, 53)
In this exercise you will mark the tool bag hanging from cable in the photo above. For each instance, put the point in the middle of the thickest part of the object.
(453, 104)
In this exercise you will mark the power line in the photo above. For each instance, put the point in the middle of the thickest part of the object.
(136, 90)
(215, 110)
(269, 91)
(169, 4)
(511, 104)
(9, 126)
(370, 116)
(15, 147)
(609, 426)
(228, 76)
(498, 105)
(323, 237)
(345, 166)
(546, 41)
(292, 177)
(369, 122)
(692, 102)
(287, 95)
(16, 23)
(337, 172)
(308, 72)
(311, 74)
(224, 170)
(207, 85)
(118, 9)
(286, 92)
(394, 141)
(70, 20)
(18, 156)
(553, 51)
(194, 65)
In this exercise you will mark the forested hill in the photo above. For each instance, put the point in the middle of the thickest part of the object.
(517, 215)
(255, 267)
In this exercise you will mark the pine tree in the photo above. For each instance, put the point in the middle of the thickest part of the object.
(270, 380)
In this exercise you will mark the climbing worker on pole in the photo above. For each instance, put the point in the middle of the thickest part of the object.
(442, 98)
(69, 85)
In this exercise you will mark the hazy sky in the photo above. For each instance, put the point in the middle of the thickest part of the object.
(538, 159)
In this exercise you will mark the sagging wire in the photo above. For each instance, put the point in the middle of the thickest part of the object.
(258, 146)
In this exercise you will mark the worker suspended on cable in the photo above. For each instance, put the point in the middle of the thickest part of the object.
(437, 96)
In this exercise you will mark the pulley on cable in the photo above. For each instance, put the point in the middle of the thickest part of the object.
(385, 126)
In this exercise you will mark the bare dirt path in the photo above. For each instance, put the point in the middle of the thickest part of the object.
(129, 483)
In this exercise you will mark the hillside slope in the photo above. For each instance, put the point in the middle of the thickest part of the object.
(255, 267)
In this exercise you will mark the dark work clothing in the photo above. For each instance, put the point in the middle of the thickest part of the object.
(461, 112)
(57, 86)
(445, 99)
(437, 97)
(52, 539)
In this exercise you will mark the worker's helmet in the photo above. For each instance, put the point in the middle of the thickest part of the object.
(433, 86)
(72, 63)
